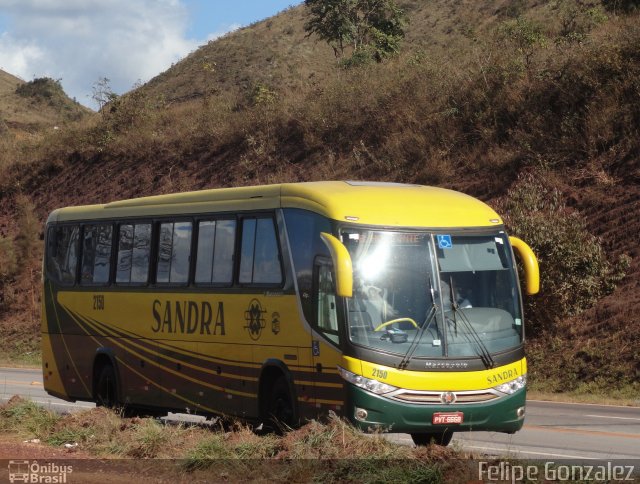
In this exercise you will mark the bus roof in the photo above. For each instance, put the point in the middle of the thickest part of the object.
(370, 203)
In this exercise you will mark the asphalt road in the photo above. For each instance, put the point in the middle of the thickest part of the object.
(28, 383)
(552, 431)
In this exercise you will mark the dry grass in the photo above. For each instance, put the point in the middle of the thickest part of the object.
(419, 117)
(330, 452)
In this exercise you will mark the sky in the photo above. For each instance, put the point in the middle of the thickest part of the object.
(79, 42)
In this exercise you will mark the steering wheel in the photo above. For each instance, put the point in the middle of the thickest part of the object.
(384, 325)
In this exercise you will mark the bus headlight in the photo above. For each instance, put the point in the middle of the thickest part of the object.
(513, 385)
(373, 386)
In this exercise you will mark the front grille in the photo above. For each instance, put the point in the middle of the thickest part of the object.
(419, 397)
(434, 398)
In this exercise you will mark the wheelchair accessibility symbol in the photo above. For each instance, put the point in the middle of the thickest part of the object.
(444, 242)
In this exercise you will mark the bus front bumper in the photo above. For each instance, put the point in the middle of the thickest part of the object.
(505, 414)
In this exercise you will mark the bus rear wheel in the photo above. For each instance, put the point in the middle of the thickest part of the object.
(106, 389)
(437, 438)
(280, 411)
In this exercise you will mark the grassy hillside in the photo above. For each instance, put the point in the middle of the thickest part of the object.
(29, 110)
(28, 107)
(532, 106)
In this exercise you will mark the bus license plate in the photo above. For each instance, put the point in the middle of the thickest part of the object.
(444, 418)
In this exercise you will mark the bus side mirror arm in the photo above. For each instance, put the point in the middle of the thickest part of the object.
(341, 263)
(531, 269)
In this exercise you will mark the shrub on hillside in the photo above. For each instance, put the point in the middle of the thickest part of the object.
(8, 271)
(624, 6)
(574, 270)
(28, 227)
(8, 260)
(577, 20)
(262, 95)
(43, 88)
(523, 37)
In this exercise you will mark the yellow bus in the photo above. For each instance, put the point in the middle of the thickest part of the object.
(397, 306)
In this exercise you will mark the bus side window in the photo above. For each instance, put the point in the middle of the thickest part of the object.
(260, 257)
(96, 254)
(223, 252)
(214, 258)
(134, 247)
(174, 252)
(327, 315)
(62, 259)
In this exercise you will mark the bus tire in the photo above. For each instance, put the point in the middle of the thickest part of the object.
(437, 438)
(106, 388)
(280, 411)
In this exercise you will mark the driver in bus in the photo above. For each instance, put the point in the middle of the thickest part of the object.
(371, 300)
(376, 304)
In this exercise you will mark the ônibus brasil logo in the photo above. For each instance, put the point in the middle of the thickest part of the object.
(33, 471)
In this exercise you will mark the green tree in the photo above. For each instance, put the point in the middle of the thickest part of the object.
(368, 29)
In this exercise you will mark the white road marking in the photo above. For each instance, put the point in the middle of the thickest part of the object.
(64, 404)
(60, 404)
(497, 449)
(586, 404)
(608, 416)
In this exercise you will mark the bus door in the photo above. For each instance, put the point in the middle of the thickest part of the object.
(326, 338)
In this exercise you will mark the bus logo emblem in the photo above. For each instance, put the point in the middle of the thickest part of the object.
(254, 316)
(448, 398)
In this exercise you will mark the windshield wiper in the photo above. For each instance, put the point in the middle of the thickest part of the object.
(423, 328)
(484, 353)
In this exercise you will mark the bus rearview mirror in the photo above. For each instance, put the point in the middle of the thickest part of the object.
(342, 265)
(530, 263)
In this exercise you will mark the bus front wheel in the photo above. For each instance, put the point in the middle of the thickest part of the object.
(280, 409)
(106, 390)
(437, 438)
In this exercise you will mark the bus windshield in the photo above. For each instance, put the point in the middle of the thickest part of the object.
(400, 276)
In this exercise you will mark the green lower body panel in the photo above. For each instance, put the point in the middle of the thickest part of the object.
(500, 415)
